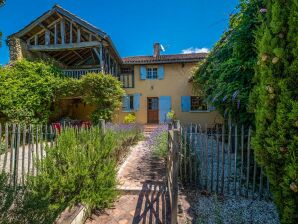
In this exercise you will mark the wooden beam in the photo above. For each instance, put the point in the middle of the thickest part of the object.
(36, 40)
(78, 54)
(62, 31)
(101, 58)
(70, 33)
(55, 34)
(47, 37)
(82, 62)
(62, 47)
(91, 51)
(74, 59)
(79, 35)
(35, 23)
(97, 53)
(64, 55)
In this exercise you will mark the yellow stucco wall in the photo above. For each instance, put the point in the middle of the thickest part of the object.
(174, 84)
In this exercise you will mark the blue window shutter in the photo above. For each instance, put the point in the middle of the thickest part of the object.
(164, 108)
(136, 101)
(125, 103)
(185, 103)
(143, 72)
(160, 72)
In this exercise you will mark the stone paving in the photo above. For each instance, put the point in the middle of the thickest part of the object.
(142, 183)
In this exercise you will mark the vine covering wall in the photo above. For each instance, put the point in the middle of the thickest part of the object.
(226, 75)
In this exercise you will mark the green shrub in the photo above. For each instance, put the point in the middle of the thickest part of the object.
(27, 91)
(171, 115)
(80, 168)
(130, 118)
(158, 142)
(104, 91)
(275, 102)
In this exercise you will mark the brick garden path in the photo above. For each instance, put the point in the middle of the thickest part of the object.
(142, 182)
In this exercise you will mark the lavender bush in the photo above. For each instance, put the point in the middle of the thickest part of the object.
(158, 141)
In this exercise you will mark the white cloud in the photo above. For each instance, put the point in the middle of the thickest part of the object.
(195, 50)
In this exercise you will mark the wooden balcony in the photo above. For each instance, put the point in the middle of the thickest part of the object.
(77, 73)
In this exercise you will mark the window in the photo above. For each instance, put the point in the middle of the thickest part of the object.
(153, 103)
(131, 99)
(151, 73)
(127, 80)
(127, 77)
(128, 103)
(197, 103)
(126, 70)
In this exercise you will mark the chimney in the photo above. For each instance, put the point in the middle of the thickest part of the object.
(156, 49)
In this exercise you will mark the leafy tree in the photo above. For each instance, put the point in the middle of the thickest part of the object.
(275, 102)
(104, 92)
(226, 75)
(27, 91)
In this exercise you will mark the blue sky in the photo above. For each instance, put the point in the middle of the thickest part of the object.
(134, 25)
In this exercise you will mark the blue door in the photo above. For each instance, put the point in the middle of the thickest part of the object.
(164, 108)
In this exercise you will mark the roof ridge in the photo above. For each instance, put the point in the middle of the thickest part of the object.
(83, 20)
(197, 53)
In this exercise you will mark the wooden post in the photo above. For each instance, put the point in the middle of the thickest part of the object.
(6, 147)
(36, 39)
(101, 58)
(102, 126)
(173, 168)
(62, 30)
(70, 33)
(79, 35)
(47, 37)
(235, 161)
(23, 154)
(223, 159)
(55, 34)
(16, 158)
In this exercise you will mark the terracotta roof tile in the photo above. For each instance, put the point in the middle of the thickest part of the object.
(162, 59)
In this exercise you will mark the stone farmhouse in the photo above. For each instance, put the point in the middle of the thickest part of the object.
(154, 84)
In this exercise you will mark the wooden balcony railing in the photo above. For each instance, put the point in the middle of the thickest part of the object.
(77, 73)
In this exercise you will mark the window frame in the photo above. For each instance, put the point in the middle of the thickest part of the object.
(201, 104)
(127, 80)
(131, 99)
(152, 73)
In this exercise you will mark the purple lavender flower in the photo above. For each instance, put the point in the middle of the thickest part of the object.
(235, 94)
(224, 99)
(238, 104)
(152, 139)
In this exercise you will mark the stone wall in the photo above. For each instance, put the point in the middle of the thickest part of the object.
(15, 49)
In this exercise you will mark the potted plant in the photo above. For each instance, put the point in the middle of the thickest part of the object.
(172, 118)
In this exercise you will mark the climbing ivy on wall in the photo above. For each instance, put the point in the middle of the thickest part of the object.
(275, 102)
(226, 75)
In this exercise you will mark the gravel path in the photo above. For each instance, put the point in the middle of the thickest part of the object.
(212, 210)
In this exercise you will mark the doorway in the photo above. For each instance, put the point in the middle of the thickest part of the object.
(152, 110)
